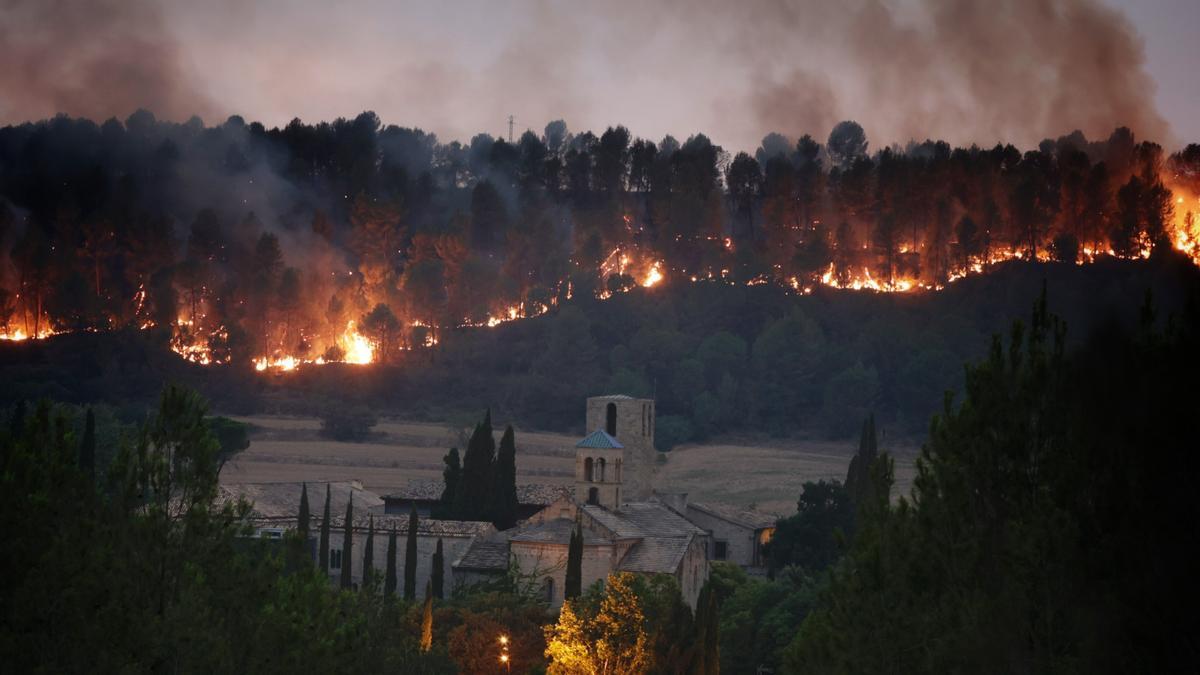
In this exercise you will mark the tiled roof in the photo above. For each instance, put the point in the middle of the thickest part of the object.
(279, 504)
(615, 397)
(557, 530)
(643, 519)
(599, 439)
(282, 500)
(655, 555)
(750, 518)
(530, 494)
(484, 554)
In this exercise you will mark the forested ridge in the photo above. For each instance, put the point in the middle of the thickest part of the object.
(357, 242)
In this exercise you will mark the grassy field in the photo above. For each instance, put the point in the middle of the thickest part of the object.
(768, 476)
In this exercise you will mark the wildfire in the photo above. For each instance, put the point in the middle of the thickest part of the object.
(18, 335)
(653, 276)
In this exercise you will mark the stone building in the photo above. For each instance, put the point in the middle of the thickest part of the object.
(626, 528)
(737, 535)
(276, 506)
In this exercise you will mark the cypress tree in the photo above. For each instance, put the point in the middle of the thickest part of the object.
(504, 491)
(427, 620)
(706, 658)
(438, 571)
(410, 557)
(323, 544)
(16, 427)
(368, 562)
(473, 494)
(302, 520)
(389, 582)
(451, 476)
(573, 585)
(348, 542)
(858, 480)
(87, 449)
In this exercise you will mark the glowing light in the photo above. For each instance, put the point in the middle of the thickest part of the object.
(654, 276)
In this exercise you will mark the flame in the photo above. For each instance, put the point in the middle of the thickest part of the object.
(356, 346)
(652, 277)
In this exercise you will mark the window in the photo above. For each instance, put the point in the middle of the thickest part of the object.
(335, 559)
(618, 476)
(549, 588)
(587, 469)
(610, 420)
(643, 419)
(600, 463)
(720, 550)
(593, 496)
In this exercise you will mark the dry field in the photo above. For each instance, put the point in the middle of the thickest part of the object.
(769, 476)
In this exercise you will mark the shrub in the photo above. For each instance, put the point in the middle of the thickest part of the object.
(347, 423)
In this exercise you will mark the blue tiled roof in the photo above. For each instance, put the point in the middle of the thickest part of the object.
(599, 439)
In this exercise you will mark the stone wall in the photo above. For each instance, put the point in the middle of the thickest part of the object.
(741, 542)
(549, 561)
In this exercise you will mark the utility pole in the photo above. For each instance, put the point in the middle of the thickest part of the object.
(510, 127)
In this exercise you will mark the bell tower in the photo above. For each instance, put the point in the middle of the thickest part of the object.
(630, 423)
(599, 464)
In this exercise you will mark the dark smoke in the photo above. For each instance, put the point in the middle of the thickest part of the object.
(92, 58)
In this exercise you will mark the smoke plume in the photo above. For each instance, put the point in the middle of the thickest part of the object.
(1006, 71)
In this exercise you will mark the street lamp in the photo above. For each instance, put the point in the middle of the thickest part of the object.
(504, 653)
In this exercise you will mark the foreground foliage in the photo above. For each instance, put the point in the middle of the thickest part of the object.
(1048, 522)
(147, 572)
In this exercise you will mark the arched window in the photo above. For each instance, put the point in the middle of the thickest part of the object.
(587, 469)
(549, 586)
(593, 496)
(600, 464)
(610, 420)
(617, 477)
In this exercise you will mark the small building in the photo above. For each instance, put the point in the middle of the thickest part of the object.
(425, 494)
(275, 508)
(738, 535)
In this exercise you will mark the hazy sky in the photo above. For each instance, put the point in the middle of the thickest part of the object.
(1011, 70)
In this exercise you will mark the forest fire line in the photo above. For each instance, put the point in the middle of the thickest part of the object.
(519, 228)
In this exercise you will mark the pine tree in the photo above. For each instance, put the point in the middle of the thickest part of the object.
(427, 620)
(573, 585)
(451, 476)
(438, 571)
(87, 449)
(323, 543)
(410, 557)
(858, 482)
(504, 490)
(368, 562)
(348, 542)
(389, 582)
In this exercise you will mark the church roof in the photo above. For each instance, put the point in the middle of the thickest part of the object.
(643, 519)
(557, 530)
(430, 489)
(615, 397)
(484, 554)
(599, 439)
(655, 555)
(749, 518)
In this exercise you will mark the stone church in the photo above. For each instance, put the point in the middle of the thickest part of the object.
(626, 526)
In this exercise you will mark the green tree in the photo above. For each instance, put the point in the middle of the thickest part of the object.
(504, 493)
(451, 476)
(389, 580)
(348, 543)
(437, 572)
(323, 540)
(473, 495)
(858, 482)
(812, 538)
(707, 653)
(410, 557)
(87, 448)
(573, 585)
(368, 561)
